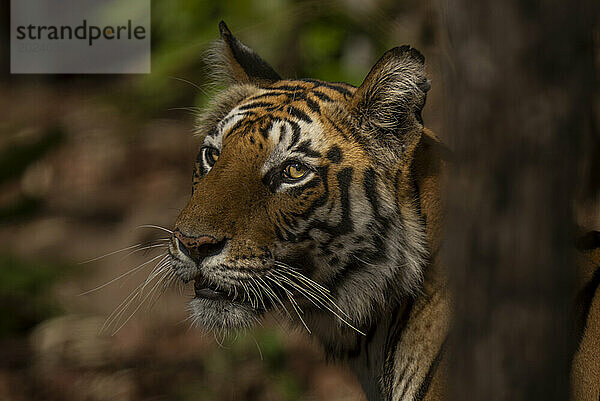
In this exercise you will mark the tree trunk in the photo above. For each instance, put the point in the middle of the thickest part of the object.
(519, 80)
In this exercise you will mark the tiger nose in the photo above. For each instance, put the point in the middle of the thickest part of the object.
(198, 247)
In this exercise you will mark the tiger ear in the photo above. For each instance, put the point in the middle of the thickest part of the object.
(243, 65)
(389, 101)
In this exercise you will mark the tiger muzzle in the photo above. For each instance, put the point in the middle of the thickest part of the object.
(197, 248)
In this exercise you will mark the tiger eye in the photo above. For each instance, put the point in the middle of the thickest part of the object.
(211, 155)
(294, 171)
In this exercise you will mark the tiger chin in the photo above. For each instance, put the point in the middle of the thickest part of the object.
(321, 201)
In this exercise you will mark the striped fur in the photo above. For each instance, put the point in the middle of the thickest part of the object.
(349, 250)
(585, 374)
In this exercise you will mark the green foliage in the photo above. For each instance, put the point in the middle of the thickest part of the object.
(25, 299)
(300, 39)
(14, 160)
(16, 157)
(247, 363)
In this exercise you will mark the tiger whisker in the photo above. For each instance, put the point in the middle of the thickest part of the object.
(245, 292)
(168, 280)
(110, 254)
(272, 295)
(124, 305)
(138, 307)
(290, 269)
(296, 308)
(311, 295)
(192, 110)
(322, 290)
(120, 308)
(155, 226)
(191, 84)
(254, 296)
(259, 293)
(304, 286)
(155, 271)
(140, 246)
(257, 346)
(150, 246)
(136, 293)
(120, 276)
(364, 261)
(302, 291)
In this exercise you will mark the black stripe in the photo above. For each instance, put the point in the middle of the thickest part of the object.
(335, 126)
(334, 154)
(295, 133)
(314, 106)
(235, 127)
(322, 96)
(371, 193)
(362, 344)
(299, 114)
(282, 132)
(369, 255)
(225, 121)
(357, 259)
(297, 191)
(361, 139)
(367, 341)
(255, 105)
(397, 177)
(278, 233)
(291, 88)
(265, 131)
(416, 191)
(281, 232)
(391, 343)
(330, 85)
(268, 94)
(589, 241)
(286, 220)
(417, 198)
(299, 95)
(323, 172)
(272, 178)
(305, 148)
(345, 225)
(424, 388)
(407, 383)
(584, 303)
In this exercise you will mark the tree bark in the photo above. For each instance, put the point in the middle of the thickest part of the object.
(519, 84)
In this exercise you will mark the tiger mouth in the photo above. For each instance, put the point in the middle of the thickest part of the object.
(205, 290)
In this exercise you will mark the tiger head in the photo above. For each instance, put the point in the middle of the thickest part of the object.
(302, 197)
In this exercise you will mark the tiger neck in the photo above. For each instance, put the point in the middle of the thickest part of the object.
(400, 352)
(400, 349)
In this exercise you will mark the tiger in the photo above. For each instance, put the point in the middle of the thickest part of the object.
(321, 201)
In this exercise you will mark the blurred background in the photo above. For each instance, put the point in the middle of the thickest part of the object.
(87, 159)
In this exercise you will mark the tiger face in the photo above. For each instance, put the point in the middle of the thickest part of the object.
(302, 197)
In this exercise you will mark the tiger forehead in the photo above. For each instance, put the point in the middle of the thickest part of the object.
(295, 101)
(320, 91)
(299, 99)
